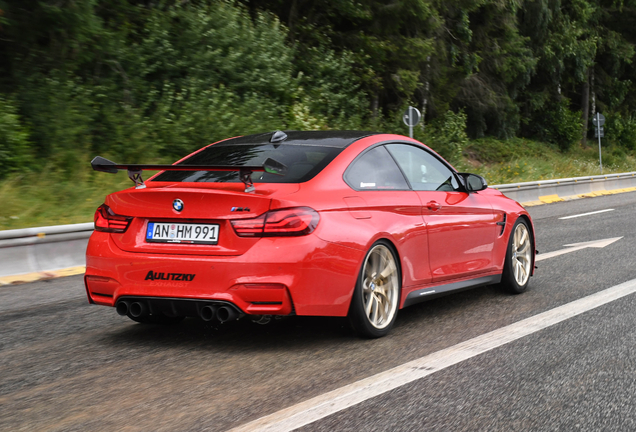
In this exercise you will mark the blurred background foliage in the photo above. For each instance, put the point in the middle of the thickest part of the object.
(141, 80)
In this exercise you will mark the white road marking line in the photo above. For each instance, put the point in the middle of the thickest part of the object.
(337, 400)
(577, 246)
(586, 214)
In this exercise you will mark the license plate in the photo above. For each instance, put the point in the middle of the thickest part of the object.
(160, 232)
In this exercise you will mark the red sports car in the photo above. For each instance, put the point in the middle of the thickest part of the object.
(329, 223)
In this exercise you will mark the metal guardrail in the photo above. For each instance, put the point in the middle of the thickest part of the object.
(49, 234)
(55, 247)
(531, 191)
(565, 181)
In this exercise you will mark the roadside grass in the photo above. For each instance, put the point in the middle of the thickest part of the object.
(49, 198)
(42, 199)
(518, 160)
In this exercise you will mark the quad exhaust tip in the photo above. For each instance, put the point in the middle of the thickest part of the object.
(222, 314)
(140, 308)
(208, 313)
(137, 309)
(122, 308)
(226, 313)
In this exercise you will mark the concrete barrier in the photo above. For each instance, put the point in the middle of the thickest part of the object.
(34, 253)
(43, 249)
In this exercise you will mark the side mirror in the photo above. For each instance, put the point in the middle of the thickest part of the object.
(473, 182)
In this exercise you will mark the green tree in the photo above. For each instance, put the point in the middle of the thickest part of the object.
(14, 140)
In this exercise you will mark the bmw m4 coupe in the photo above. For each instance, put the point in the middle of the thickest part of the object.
(324, 223)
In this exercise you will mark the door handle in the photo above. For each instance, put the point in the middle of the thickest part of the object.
(433, 205)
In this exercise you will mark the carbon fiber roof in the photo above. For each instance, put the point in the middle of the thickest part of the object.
(329, 138)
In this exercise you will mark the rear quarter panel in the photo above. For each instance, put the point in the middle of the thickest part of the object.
(357, 219)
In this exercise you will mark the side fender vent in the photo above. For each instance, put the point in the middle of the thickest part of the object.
(502, 223)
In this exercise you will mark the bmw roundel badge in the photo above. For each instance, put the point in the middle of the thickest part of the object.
(177, 205)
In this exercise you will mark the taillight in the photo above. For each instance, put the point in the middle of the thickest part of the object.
(107, 221)
(249, 227)
(297, 221)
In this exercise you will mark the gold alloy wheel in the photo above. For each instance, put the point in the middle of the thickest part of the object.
(521, 257)
(380, 284)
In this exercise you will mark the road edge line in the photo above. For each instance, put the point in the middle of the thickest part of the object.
(549, 199)
(36, 276)
(337, 400)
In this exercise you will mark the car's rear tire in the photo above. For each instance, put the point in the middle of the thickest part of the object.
(518, 264)
(160, 319)
(376, 297)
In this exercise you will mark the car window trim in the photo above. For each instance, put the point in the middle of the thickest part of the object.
(453, 171)
(412, 144)
(435, 156)
(368, 149)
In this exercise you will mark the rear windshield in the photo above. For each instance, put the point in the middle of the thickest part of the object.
(303, 162)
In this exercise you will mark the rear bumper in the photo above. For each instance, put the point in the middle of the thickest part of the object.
(277, 276)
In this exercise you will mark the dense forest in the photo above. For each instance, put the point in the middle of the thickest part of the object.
(148, 79)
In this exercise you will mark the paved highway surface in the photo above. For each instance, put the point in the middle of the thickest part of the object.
(65, 365)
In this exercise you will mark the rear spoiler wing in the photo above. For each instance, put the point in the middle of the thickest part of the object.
(134, 170)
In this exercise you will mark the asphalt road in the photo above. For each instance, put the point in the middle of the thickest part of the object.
(65, 365)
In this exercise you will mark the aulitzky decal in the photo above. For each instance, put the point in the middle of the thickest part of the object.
(169, 276)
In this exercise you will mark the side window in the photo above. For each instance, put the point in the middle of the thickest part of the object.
(375, 170)
(423, 170)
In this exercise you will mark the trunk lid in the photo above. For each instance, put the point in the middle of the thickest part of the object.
(203, 204)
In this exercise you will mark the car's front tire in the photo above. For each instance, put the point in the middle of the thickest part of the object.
(376, 297)
(518, 265)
